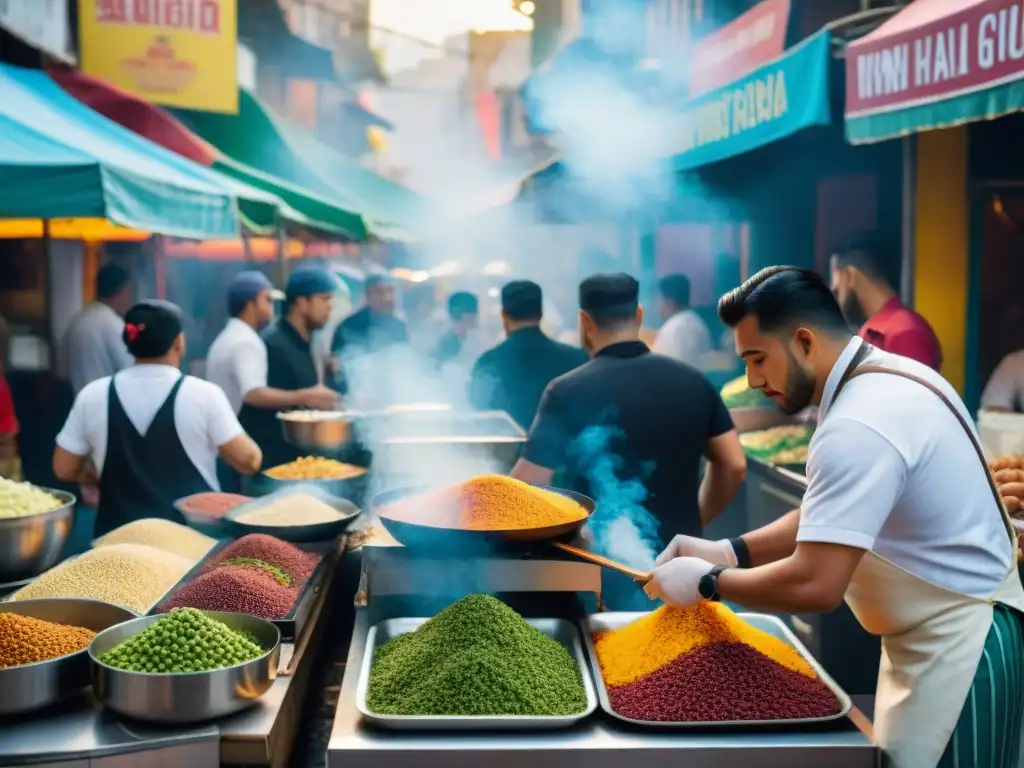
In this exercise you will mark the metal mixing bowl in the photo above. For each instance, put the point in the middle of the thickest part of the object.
(34, 686)
(314, 432)
(32, 544)
(190, 697)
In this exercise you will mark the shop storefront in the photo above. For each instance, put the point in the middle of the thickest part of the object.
(935, 81)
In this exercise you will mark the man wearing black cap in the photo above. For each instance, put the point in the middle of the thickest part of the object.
(152, 434)
(92, 346)
(630, 418)
(512, 376)
(291, 366)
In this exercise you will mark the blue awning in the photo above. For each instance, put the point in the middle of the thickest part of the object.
(774, 101)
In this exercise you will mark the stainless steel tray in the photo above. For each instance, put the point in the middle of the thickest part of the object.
(563, 631)
(603, 622)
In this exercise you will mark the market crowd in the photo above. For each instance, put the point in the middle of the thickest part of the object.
(901, 517)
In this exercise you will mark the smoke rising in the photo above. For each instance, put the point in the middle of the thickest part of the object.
(621, 527)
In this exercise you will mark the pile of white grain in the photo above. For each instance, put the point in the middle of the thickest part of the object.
(293, 509)
(133, 576)
(163, 534)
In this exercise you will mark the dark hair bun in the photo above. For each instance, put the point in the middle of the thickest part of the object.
(150, 328)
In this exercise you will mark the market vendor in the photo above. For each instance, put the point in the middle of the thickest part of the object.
(901, 518)
(290, 363)
(152, 434)
(630, 420)
(237, 360)
(869, 302)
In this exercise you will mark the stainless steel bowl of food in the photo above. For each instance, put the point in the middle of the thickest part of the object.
(189, 697)
(316, 430)
(29, 687)
(33, 543)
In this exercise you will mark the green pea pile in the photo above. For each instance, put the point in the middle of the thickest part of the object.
(185, 640)
(477, 657)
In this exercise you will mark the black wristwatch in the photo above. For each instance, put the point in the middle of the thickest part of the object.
(708, 584)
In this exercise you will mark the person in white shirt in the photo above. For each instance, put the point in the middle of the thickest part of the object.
(683, 336)
(237, 359)
(92, 347)
(151, 434)
(901, 517)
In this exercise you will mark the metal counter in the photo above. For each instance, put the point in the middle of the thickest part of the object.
(79, 733)
(596, 743)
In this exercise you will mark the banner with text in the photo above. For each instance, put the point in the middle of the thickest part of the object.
(181, 53)
(923, 70)
(741, 46)
(775, 101)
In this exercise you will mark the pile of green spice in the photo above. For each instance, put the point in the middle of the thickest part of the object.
(185, 640)
(477, 657)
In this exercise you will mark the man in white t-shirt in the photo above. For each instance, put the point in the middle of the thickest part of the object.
(683, 336)
(92, 347)
(237, 360)
(151, 434)
(900, 517)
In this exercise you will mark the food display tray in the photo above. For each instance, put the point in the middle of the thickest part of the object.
(564, 632)
(292, 624)
(603, 622)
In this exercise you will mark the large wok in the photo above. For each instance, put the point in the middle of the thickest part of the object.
(423, 536)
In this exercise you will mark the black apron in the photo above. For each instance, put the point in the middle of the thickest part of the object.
(144, 474)
(290, 367)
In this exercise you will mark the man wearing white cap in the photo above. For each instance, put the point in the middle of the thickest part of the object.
(237, 360)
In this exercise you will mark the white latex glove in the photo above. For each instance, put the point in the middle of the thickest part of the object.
(715, 552)
(676, 581)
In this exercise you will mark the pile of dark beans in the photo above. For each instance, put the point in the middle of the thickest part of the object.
(720, 682)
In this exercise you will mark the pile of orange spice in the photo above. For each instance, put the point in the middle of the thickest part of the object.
(25, 640)
(487, 503)
(648, 644)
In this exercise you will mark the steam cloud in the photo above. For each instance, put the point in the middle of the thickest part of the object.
(622, 528)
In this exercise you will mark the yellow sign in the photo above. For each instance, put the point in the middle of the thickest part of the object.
(175, 52)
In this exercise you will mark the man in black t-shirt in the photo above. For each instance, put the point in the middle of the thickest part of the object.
(512, 376)
(630, 428)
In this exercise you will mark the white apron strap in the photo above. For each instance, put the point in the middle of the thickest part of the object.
(1011, 531)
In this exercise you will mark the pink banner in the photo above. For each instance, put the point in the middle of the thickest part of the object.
(933, 50)
(740, 47)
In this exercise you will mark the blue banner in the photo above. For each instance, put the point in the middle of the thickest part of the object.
(772, 102)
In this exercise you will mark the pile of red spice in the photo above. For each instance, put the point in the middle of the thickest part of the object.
(235, 588)
(721, 682)
(258, 575)
(298, 563)
(213, 503)
(705, 664)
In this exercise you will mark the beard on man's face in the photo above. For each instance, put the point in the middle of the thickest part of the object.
(799, 388)
(852, 311)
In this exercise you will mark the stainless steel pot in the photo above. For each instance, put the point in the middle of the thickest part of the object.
(316, 432)
(32, 544)
(34, 686)
(189, 697)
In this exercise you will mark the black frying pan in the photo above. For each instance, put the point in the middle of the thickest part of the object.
(424, 536)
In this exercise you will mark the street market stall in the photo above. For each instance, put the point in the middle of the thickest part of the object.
(48, 714)
(547, 591)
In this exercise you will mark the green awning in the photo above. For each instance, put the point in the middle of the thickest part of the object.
(904, 78)
(302, 206)
(59, 159)
(259, 139)
(391, 210)
(257, 153)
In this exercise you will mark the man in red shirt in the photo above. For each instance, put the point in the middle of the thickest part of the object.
(868, 299)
